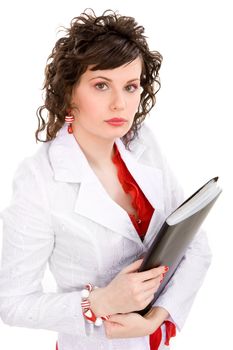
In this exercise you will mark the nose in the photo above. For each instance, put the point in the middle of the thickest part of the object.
(118, 101)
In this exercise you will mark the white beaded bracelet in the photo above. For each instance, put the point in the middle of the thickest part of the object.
(87, 312)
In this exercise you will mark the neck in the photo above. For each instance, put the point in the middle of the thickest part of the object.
(98, 151)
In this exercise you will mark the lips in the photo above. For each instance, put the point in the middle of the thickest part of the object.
(116, 120)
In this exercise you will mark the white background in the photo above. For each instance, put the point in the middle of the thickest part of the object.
(191, 120)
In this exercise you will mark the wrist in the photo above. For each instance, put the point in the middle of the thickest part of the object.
(98, 302)
(156, 316)
(88, 313)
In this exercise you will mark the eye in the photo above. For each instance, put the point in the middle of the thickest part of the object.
(131, 88)
(101, 86)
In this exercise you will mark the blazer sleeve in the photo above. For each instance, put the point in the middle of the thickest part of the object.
(27, 245)
(179, 294)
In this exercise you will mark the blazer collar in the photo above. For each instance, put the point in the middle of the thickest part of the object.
(69, 162)
(70, 165)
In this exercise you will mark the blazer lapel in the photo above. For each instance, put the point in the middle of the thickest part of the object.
(150, 181)
(147, 177)
(70, 165)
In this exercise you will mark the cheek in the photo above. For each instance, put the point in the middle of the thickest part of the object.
(83, 103)
(90, 110)
(134, 104)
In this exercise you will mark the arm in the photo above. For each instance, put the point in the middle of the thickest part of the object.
(124, 323)
(28, 243)
(156, 316)
(134, 325)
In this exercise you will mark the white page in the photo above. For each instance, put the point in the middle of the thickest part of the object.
(196, 203)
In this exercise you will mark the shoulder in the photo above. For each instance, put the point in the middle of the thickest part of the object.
(146, 135)
(29, 187)
(39, 159)
(154, 156)
(34, 168)
(148, 147)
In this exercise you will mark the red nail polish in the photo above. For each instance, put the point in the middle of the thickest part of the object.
(166, 268)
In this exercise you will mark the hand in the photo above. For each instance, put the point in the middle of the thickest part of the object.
(157, 315)
(131, 290)
(129, 325)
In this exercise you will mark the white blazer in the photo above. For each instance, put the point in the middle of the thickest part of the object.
(61, 214)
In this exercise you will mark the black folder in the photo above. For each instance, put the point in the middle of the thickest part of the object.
(170, 243)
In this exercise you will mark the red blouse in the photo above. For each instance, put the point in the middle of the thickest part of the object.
(139, 202)
(141, 222)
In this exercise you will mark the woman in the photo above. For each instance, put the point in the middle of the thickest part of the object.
(91, 199)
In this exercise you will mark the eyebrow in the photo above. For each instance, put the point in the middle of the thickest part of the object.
(105, 78)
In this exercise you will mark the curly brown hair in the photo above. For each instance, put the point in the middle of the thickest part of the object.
(105, 42)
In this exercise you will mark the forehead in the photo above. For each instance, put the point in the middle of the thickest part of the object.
(127, 71)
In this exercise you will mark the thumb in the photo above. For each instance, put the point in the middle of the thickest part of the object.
(132, 267)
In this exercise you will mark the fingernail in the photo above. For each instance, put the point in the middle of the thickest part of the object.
(166, 268)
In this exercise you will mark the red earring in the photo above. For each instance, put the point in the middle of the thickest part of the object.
(69, 119)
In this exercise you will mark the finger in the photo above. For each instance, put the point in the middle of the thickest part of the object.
(149, 300)
(149, 295)
(151, 284)
(132, 267)
(153, 290)
(152, 273)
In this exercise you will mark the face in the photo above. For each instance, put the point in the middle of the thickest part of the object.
(106, 101)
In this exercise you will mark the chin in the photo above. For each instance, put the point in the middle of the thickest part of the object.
(120, 133)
